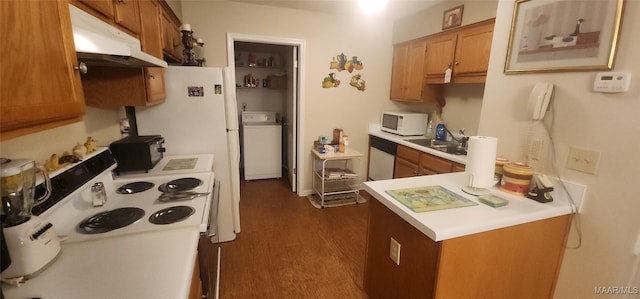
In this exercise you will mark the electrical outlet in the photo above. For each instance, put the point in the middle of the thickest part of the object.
(583, 160)
(394, 251)
(535, 150)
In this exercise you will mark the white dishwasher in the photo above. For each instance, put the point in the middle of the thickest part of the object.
(382, 157)
(261, 145)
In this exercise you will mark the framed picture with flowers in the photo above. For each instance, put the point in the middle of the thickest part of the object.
(563, 35)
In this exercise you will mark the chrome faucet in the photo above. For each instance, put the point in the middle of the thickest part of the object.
(463, 140)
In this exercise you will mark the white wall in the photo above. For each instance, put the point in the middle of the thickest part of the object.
(101, 124)
(607, 123)
(326, 36)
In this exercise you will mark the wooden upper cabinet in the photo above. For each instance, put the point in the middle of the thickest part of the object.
(105, 7)
(151, 40)
(40, 89)
(407, 74)
(398, 73)
(124, 13)
(155, 86)
(439, 57)
(465, 50)
(127, 14)
(151, 27)
(472, 53)
(111, 87)
(406, 79)
(171, 36)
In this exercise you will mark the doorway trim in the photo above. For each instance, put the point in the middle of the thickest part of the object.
(300, 44)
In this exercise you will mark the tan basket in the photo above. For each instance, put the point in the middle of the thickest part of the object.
(337, 184)
(277, 82)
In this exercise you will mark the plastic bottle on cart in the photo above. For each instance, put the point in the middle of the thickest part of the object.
(345, 141)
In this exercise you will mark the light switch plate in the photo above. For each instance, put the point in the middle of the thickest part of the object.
(583, 160)
(394, 251)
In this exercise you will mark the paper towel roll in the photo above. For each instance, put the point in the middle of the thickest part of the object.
(481, 161)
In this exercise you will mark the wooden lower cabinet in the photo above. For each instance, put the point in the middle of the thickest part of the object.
(404, 169)
(521, 261)
(457, 167)
(195, 292)
(411, 162)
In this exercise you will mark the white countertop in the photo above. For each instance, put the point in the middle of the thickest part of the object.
(375, 131)
(203, 163)
(451, 223)
(150, 265)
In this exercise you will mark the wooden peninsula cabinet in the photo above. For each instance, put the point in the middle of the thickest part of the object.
(411, 162)
(407, 77)
(519, 261)
(465, 50)
(40, 87)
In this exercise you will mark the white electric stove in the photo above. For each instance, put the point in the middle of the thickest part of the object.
(135, 203)
(93, 258)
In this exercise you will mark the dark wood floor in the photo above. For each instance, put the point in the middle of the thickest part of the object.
(289, 249)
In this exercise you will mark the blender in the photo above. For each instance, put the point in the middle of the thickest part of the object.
(32, 242)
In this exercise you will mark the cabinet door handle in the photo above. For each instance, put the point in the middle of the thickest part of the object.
(82, 67)
(456, 63)
(152, 76)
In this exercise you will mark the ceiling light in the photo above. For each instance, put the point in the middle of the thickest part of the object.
(372, 6)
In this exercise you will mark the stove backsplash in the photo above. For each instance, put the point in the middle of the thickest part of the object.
(73, 178)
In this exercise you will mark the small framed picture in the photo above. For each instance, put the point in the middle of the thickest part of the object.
(452, 17)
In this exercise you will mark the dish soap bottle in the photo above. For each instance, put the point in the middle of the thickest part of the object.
(441, 132)
(429, 133)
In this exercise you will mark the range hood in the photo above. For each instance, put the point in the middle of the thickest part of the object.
(98, 43)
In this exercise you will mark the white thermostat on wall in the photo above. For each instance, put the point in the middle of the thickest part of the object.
(612, 82)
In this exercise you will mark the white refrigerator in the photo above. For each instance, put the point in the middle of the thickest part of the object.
(199, 116)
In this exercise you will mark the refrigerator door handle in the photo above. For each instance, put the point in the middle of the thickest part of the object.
(212, 229)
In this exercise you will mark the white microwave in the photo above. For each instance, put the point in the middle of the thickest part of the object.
(403, 123)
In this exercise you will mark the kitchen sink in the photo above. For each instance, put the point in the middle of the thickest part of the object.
(448, 147)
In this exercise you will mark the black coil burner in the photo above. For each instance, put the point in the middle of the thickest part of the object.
(135, 187)
(179, 185)
(171, 215)
(110, 220)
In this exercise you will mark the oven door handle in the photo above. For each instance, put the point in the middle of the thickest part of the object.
(212, 227)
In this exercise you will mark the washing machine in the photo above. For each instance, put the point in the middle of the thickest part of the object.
(261, 145)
